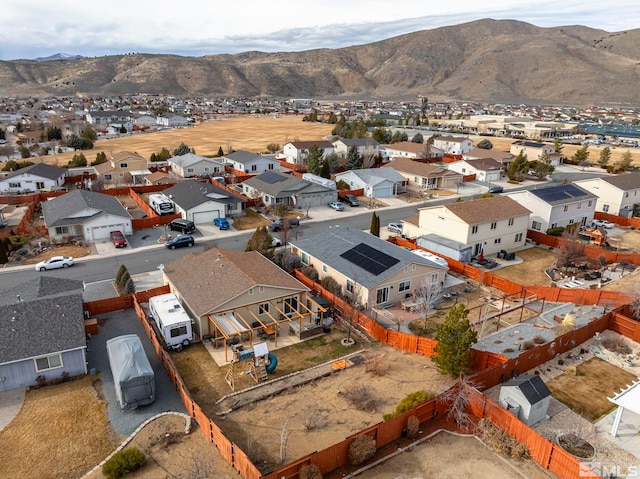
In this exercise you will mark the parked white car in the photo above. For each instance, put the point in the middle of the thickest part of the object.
(602, 224)
(54, 263)
(395, 228)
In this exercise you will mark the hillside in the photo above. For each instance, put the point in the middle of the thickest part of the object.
(487, 60)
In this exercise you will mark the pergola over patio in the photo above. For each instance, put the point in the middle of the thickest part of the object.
(626, 399)
(242, 323)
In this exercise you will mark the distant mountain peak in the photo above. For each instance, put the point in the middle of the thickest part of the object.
(58, 56)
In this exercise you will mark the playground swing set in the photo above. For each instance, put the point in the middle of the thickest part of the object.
(261, 363)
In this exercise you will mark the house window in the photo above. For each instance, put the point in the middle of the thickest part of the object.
(179, 331)
(497, 241)
(324, 268)
(271, 166)
(124, 165)
(14, 185)
(304, 258)
(250, 291)
(62, 230)
(571, 221)
(404, 286)
(254, 167)
(206, 168)
(510, 221)
(382, 295)
(494, 225)
(518, 238)
(263, 308)
(290, 305)
(536, 225)
(433, 278)
(605, 208)
(566, 207)
(48, 362)
(474, 229)
(189, 170)
(579, 205)
(260, 289)
(589, 204)
(350, 285)
(626, 195)
(107, 177)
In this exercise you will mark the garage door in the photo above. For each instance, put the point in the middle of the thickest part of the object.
(203, 217)
(382, 191)
(102, 232)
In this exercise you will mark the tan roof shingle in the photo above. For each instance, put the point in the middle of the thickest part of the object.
(484, 210)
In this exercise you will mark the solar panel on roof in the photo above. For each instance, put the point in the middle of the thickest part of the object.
(271, 177)
(370, 259)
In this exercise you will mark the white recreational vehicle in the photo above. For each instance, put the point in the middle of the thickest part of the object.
(173, 322)
(161, 204)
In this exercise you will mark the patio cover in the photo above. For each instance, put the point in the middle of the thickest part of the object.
(626, 399)
(228, 324)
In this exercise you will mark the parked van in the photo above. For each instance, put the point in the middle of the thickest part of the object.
(184, 226)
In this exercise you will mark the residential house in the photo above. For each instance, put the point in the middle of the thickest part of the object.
(453, 145)
(40, 176)
(409, 149)
(535, 150)
(371, 271)
(123, 168)
(485, 169)
(527, 398)
(159, 178)
(275, 188)
(84, 214)
(296, 152)
(366, 147)
(556, 206)
(202, 202)
(421, 175)
(191, 165)
(617, 194)
(42, 323)
(488, 224)
(253, 163)
(105, 118)
(232, 293)
(502, 157)
(172, 120)
(376, 182)
(145, 121)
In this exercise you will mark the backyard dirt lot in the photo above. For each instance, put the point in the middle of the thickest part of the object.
(251, 134)
(531, 271)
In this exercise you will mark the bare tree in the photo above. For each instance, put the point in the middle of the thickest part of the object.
(427, 296)
(571, 250)
(457, 400)
(284, 438)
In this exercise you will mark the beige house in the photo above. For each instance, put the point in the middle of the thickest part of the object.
(409, 149)
(372, 272)
(534, 151)
(487, 224)
(236, 294)
(422, 176)
(123, 168)
(617, 194)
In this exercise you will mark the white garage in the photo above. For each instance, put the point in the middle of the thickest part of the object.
(102, 231)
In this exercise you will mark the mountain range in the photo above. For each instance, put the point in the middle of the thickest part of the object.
(497, 61)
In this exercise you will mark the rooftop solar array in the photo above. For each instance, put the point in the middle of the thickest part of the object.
(558, 193)
(271, 177)
(370, 259)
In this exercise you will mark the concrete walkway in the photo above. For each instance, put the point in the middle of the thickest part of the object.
(10, 405)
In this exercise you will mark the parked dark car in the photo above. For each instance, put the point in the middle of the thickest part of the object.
(118, 239)
(280, 222)
(180, 241)
(350, 200)
(184, 226)
(221, 223)
(495, 189)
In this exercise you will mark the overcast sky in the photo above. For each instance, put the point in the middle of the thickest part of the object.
(39, 28)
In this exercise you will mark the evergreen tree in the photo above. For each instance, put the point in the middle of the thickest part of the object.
(625, 161)
(78, 160)
(354, 159)
(89, 134)
(100, 158)
(605, 157)
(417, 138)
(261, 241)
(314, 159)
(54, 133)
(325, 169)
(272, 148)
(181, 150)
(220, 152)
(485, 144)
(455, 338)
(124, 278)
(374, 229)
(543, 166)
(558, 146)
(121, 270)
(580, 155)
(333, 161)
(518, 167)
(129, 287)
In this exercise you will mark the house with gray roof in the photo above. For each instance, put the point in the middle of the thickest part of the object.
(191, 165)
(617, 194)
(202, 202)
(556, 206)
(253, 163)
(367, 147)
(279, 188)
(42, 324)
(84, 214)
(371, 271)
(376, 182)
(38, 177)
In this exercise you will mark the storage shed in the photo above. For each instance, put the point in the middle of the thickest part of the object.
(133, 375)
(527, 397)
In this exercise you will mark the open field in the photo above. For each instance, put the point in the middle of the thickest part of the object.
(250, 134)
(586, 393)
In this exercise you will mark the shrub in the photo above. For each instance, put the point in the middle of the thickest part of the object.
(123, 462)
(121, 270)
(343, 185)
(539, 340)
(124, 278)
(311, 273)
(281, 210)
(361, 449)
(310, 471)
(129, 287)
(360, 397)
(413, 427)
(527, 345)
(557, 231)
(409, 402)
(331, 285)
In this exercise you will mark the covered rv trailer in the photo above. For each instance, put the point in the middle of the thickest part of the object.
(173, 322)
(327, 183)
(133, 375)
(161, 204)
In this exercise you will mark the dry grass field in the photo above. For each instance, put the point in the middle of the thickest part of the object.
(531, 271)
(246, 133)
